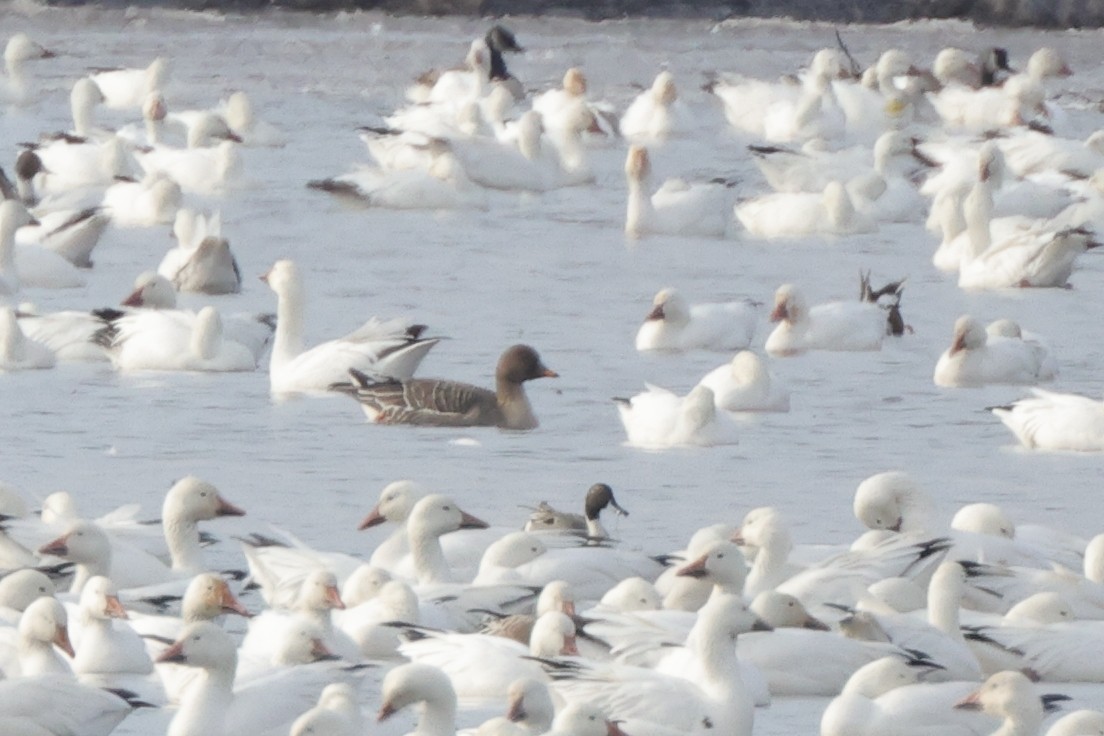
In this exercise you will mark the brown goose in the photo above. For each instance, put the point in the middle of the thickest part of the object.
(439, 403)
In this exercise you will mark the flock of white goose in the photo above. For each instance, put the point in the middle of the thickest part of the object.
(916, 628)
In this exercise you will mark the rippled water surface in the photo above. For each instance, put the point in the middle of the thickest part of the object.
(554, 271)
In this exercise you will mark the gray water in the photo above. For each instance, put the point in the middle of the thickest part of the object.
(552, 270)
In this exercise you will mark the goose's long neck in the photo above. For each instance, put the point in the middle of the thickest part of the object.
(514, 405)
(977, 209)
(944, 599)
(85, 571)
(769, 567)
(1025, 722)
(204, 705)
(430, 564)
(288, 342)
(640, 209)
(392, 549)
(39, 658)
(82, 118)
(438, 718)
(7, 255)
(182, 538)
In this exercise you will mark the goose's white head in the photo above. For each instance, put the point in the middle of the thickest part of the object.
(84, 543)
(671, 307)
(45, 622)
(968, 335)
(283, 278)
(193, 499)
(364, 584)
(319, 592)
(575, 82)
(585, 719)
(880, 677)
(528, 701)
(633, 594)
(890, 501)
(1004, 328)
(207, 597)
(782, 610)
(663, 88)
(953, 65)
(21, 48)
(748, 368)
(152, 291)
(1005, 694)
(556, 596)
(764, 528)
(204, 645)
(984, 518)
(438, 514)
(1047, 62)
(789, 305)
(722, 562)
(22, 587)
(1079, 723)
(409, 684)
(512, 551)
(99, 599)
(553, 635)
(1040, 609)
(395, 502)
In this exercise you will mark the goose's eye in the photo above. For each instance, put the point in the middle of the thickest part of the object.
(203, 494)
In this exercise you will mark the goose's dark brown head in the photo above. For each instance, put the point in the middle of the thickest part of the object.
(521, 363)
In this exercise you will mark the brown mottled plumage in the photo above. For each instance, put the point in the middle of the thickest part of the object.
(439, 403)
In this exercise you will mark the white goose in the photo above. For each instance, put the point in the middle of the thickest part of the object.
(154, 293)
(378, 348)
(148, 341)
(1078, 723)
(127, 88)
(201, 261)
(42, 627)
(793, 215)
(811, 168)
(103, 647)
(420, 684)
(976, 358)
(675, 325)
(716, 696)
(481, 666)
(153, 200)
(1055, 422)
(18, 352)
(204, 171)
(237, 110)
(657, 418)
(211, 705)
(337, 714)
(29, 265)
(19, 50)
(559, 107)
(50, 705)
(656, 114)
(832, 326)
(529, 712)
(745, 384)
(676, 208)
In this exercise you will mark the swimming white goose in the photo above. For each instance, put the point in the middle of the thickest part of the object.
(153, 200)
(42, 627)
(391, 348)
(745, 384)
(201, 261)
(1010, 696)
(1037, 257)
(204, 171)
(1077, 723)
(675, 325)
(19, 50)
(811, 168)
(455, 86)
(237, 110)
(482, 666)
(714, 694)
(433, 402)
(443, 184)
(976, 358)
(49, 705)
(1056, 422)
(103, 647)
(657, 418)
(127, 88)
(29, 265)
(420, 684)
(784, 110)
(533, 161)
(337, 714)
(676, 208)
(791, 215)
(558, 107)
(656, 114)
(18, 352)
(832, 326)
(153, 341)
(940, 637)
(211, 704)
(189, 501)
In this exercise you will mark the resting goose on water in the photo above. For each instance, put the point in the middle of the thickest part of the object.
(441, 403)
